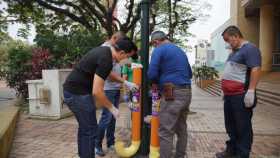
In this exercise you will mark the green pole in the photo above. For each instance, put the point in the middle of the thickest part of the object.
(146, 108)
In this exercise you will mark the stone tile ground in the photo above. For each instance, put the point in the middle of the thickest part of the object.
(57, 139)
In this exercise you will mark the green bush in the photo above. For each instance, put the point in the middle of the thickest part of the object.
(6, 42)
(23, 62)
(17, 68)
(205, 73)
(68, 48)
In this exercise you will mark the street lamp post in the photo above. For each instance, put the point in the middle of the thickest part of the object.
(146, 107)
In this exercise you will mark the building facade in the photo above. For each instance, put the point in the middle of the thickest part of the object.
(202, 53)
(259, 22)
(219, 47)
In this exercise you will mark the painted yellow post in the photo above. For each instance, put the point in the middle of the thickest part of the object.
(121, 150)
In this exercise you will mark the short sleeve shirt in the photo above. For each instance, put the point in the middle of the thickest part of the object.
(96, 61)
(236, 77)
(109, 84)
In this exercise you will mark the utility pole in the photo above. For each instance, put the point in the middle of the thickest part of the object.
(145, 99)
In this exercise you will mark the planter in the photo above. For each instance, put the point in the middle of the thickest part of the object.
(204, 76)
(205, 83)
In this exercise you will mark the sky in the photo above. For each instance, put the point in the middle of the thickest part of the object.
(219, 14)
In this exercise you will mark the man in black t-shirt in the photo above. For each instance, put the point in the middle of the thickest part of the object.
(84, 88)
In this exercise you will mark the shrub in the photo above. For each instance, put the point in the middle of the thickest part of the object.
(25, 63)
(68, 48)
(41, 59)
(53, 50)
(205, 73)
(17, 68)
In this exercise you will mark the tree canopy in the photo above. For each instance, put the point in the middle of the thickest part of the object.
(174, 16)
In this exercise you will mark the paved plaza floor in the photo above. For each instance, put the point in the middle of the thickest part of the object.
(57, 139)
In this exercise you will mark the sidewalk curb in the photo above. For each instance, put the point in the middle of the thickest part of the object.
(8, 117)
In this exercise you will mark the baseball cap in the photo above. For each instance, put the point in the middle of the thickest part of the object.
(158, 35)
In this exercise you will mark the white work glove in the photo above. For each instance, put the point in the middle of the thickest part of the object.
(148, 119)
(131, 86)
(115, 112)
(249, 98)
(130, 105)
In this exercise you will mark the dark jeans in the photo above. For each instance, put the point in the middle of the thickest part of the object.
(83, 107)
(107, 121)
(238, 125)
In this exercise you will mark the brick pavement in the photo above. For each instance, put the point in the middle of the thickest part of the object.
(48, 139)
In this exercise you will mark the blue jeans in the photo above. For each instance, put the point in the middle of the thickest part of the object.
(238, 125)
(107, 121)
(83, 107)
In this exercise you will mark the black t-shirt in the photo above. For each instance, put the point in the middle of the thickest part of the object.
(96, 61)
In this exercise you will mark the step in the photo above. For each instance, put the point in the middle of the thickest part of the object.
(268, 91)
(268, 95)
(216, 86)
(213, 91)
(218, 82)
(271, 101)
(218, 89)
(264, 103)
(267, 103)
(209, 90)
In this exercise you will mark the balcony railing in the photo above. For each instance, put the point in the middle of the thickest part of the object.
(276, 58)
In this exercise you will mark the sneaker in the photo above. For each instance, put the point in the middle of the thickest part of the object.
(99, 152)
(225, 154)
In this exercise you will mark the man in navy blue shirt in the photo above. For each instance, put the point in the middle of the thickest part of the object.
(170, 70)
(239, 82)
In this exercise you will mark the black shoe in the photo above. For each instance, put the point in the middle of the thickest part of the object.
(225, 154)
(99, 152)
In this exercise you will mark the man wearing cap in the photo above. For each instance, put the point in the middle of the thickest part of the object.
(170, 70)
(112, 86)
(84, 90)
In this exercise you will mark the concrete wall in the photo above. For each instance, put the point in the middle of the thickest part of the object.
(249, 26)
(54, 108)
(233, 11)
(259, 27)
(8, 117)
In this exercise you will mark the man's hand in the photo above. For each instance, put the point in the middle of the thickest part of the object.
(249, 98)
(131, 86)
(115, 112)
(130, 105)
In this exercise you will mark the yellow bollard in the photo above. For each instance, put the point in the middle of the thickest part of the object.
(121, 150)
(154, 141)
